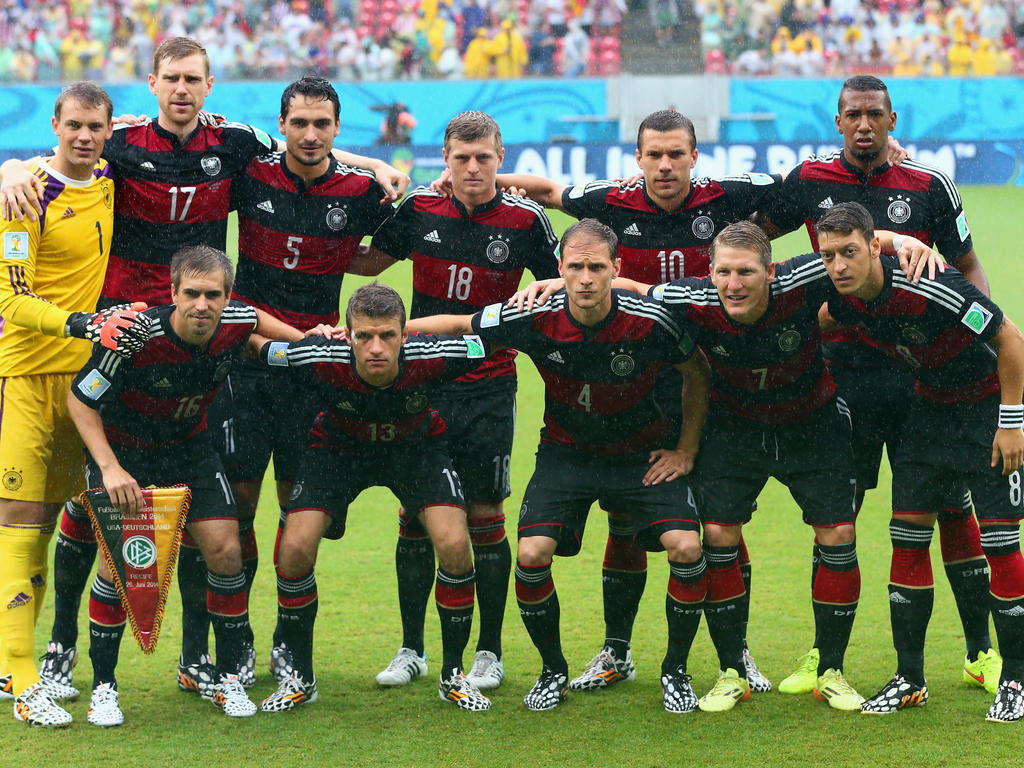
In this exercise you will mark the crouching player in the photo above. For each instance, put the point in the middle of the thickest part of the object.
(964, 426)
(143, 421)
(378, 429)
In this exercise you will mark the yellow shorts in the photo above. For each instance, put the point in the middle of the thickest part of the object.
(41, 453)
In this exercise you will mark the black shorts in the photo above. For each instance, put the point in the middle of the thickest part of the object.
(566, 483)
(419, 473)
(945, 447)
(878, 399)
(812, 458)
(481, 425)
(258, 412)
(194, 463)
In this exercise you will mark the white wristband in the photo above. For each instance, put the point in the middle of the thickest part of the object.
(1011, 416)
(897, 242)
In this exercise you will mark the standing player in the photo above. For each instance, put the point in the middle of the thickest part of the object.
(173, 177)
(468, 251)
(912, 199)
(605, 438)
(378, 429)
(143, 421)
(54, 268)
(665, 224)
(964, 428)
(301, 215)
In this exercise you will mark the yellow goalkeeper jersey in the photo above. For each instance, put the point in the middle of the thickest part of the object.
(51, 268)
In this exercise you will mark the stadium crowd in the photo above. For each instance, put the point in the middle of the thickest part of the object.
(905, 38)
(113, 41)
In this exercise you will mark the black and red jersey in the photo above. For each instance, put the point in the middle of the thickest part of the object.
(295, 242)
(462, 263)
(159, 396)
(912, 199)
(938, 328)
(772, 372)
(599, 380)
(169, 195)
(657, 246)
(360, 416)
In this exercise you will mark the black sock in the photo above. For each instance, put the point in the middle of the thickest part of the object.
(414, 564)
(684, 604)
(73, 559)
(722, 606)
(106, 627)
(227, 599)
(195, 621)
(623, 579)
(493, 563)
(454, 597)
(968, 575)
(835, 598)
(296, 615)
(538, 606)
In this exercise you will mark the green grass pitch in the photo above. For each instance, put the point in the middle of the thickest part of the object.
(355, 723)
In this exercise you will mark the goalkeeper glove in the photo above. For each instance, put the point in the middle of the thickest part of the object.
(122, 328)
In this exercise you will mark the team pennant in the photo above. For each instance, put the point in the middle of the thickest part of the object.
(140, 550)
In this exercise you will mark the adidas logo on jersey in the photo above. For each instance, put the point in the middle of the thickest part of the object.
(266, 205)
(826, 203)
(432, 237)
(896, 597)
(631, 230)
(556, 357)
(147, 166)
(19, 600)
(68, 213)
(719, 350)
(164, 383)
(346, 406)
(1015, 611)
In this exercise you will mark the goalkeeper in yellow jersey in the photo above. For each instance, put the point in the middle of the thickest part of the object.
(51, 272)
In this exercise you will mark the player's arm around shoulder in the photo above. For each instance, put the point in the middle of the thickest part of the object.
(1009, 439)
(451, 325)
(537, 188)
(20, 190)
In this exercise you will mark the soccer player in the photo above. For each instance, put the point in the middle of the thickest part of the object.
(963, 427)
(665, 223)
(606, 439)
(912, 199)
(378, 429)
(468, 251)
(301, 216)
(54, 268)
(173, 179)
(143, 421)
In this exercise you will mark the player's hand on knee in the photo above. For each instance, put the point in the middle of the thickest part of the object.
(20, 193)
(122, 328)
(1009, 444)
(536, 293)
(667, 465)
